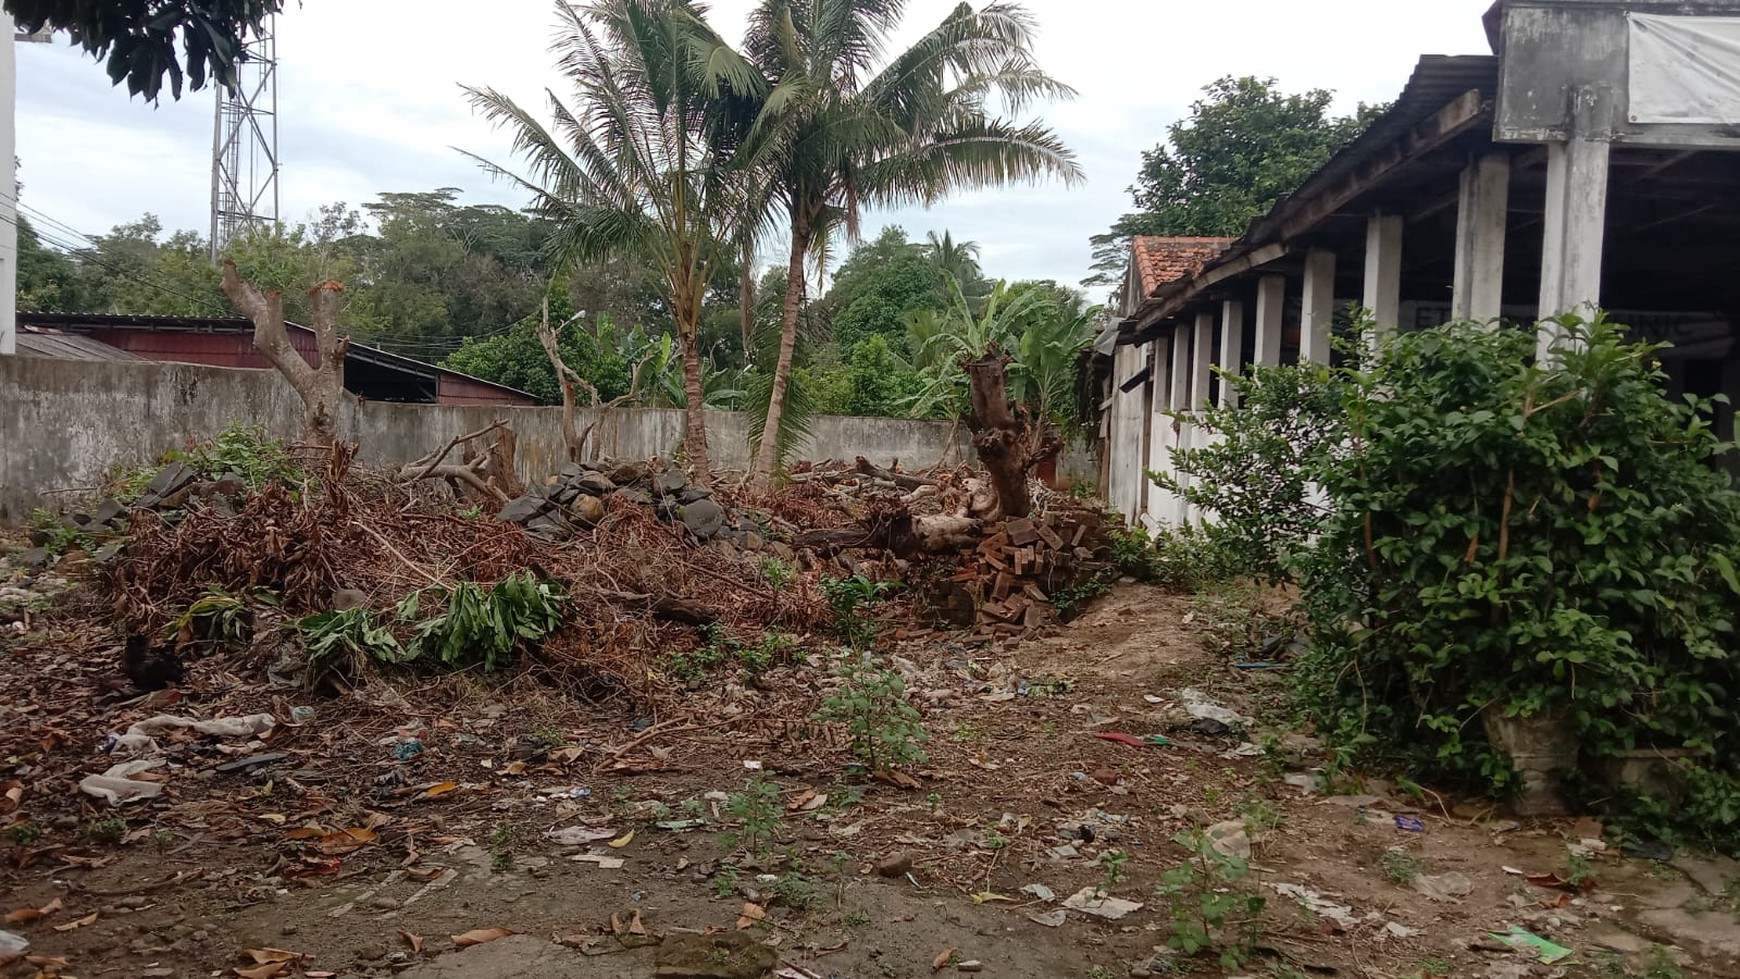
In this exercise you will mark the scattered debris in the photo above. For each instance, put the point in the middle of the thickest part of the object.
(1523, 940)
(1092, 900)
(1450, 886)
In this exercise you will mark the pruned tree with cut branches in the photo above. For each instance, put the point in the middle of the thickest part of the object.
(321, 386)
(578, 440)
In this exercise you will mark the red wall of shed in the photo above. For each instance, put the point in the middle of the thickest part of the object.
(456, 389)
(212, 349)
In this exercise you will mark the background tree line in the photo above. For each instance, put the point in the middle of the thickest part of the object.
(433, 278)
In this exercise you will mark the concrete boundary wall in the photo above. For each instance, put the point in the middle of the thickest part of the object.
(64, 424)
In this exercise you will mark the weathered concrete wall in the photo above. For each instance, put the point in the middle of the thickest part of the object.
(64, 424)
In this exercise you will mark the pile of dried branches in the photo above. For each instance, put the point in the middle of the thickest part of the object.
(636, 588)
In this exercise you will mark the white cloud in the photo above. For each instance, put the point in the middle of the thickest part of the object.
(369, 101)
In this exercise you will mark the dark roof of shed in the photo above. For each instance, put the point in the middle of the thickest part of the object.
(235, 324)
(68, 346)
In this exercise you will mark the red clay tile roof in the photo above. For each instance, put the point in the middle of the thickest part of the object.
(1163, 260)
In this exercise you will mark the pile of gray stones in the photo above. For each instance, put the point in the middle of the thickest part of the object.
(575, 498)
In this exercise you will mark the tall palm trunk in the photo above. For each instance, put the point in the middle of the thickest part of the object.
(694, 394)
(767, 455)
(746, 301)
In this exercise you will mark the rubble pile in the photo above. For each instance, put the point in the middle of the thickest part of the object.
(997, 576)
(577, 498)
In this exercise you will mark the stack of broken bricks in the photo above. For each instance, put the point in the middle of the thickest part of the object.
(1025, 562)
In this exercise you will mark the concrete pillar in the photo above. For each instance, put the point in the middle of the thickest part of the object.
(1202, 361)
(1271, 310)
(1481, 214)
(1232, 348)
(1576, 231)
(1319, 318)
(8, 186)
(1161, 503)
(1179, 400)
(1383, 272)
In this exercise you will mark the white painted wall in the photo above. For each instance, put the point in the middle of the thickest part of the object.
(8, 186)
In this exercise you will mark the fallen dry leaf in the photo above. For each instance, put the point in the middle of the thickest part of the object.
(267, 956)
(319, 975)
(477, 936)
(942, 958)
(11, 795)
(415, 941)
(803, 799)
(47, 961)
(27, 915)
(569, 754)
(622, 841)
(752, 913)
(438, 790)
(635, 927)
(346, 841)
(271, 970)
(310, 832)
(89, 919)
(514, 768)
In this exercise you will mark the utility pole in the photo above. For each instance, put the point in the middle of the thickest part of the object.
(244, 155)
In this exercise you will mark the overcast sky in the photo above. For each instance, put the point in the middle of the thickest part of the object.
(368, 102)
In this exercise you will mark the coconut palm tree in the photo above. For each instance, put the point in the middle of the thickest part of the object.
(635, 167)
(955, 259)
(841, 128)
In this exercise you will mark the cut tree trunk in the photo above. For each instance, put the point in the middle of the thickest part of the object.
(321, 387)
(1008, 446)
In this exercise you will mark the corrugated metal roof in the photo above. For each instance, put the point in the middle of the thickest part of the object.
(62, 346)
(235, 324)
(1437, 81)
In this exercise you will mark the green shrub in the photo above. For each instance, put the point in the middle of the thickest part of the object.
(851, 600)
(1524, 538)
(1254, 479)
(871, 702)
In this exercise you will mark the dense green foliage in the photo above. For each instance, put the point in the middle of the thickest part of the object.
(1503, 537)
(137, 41)
(1245, 145)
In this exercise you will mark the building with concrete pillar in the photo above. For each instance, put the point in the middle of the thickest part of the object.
(1590, 161)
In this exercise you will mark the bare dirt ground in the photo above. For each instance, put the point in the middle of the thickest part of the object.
(363, 864)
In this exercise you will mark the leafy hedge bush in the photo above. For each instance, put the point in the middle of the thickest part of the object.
(1503, 536)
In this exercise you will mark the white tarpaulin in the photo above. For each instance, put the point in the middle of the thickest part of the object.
(1685, 69)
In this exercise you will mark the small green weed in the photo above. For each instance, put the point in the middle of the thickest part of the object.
(856, 918)
(757, 811)
(1401, 868)
(794, 891)
(1433, 968)
(60, 538)
(1113, 861)
(1579, 871)
(1213, 901)
(851, 600)
(24, 834)
(725, 880)
(884, 727)
(106, 830)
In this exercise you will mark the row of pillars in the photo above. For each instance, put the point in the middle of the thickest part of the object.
(1571, 270)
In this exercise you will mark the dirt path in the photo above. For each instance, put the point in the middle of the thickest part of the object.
(994, 826)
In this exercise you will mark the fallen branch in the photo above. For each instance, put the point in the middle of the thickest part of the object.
(901, 480)
(426, 466)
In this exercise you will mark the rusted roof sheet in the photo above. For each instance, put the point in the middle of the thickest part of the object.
(1162, 260)
(64, 346)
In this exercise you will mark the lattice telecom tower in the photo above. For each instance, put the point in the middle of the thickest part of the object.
(244, 149)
